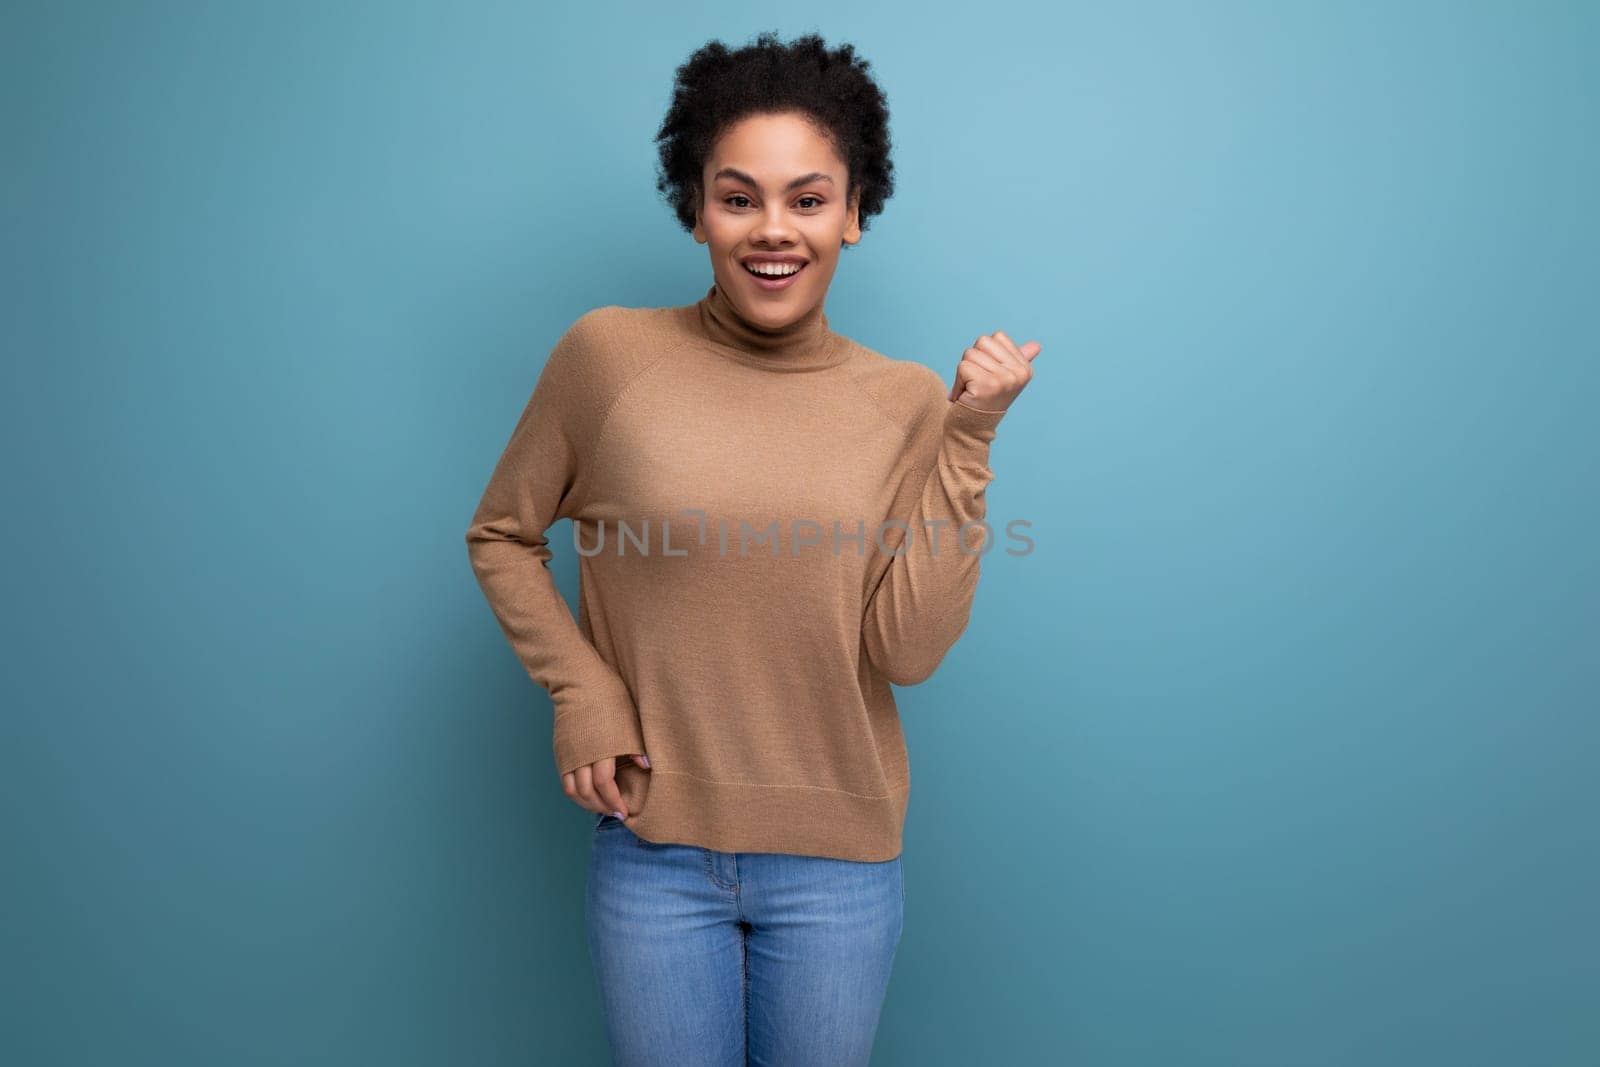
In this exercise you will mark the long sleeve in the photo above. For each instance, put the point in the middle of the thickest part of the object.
(924, 600)
(539, 479)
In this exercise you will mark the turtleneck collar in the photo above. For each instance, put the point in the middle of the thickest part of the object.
(805, 344)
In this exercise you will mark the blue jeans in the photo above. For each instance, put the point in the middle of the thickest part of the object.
(728, 959)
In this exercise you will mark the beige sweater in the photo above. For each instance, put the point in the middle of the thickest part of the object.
(740, 499)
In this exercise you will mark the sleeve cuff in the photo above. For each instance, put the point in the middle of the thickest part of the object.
(583, 735)
(968, 432)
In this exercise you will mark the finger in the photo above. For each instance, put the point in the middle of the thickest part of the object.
(605, 785)
(587, 789)
(987, 361)
(986, 368)
(1026, 351)
(1010, 366)
(970, 371)
(642, 760)
(1010, 351)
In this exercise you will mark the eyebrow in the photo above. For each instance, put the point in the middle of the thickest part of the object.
(739, 175)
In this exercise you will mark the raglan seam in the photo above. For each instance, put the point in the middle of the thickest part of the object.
(610, 408)
(907, 432)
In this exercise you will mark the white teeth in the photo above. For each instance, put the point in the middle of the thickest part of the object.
(776, 270)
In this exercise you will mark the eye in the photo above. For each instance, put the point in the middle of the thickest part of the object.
(736, 196)
(818, 199)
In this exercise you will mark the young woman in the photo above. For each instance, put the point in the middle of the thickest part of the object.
(775, 523)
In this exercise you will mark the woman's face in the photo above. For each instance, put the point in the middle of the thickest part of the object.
(775, 192)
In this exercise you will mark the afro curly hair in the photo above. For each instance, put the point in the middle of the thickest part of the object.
(716, 87)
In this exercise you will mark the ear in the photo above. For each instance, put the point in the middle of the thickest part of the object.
(699, 224)
(852, 224)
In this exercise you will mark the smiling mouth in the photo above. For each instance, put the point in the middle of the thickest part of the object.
(773, 277)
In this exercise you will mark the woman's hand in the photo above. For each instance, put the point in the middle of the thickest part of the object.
(595, 787)
(993, 372)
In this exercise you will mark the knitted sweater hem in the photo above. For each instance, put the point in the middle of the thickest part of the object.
(684, 809)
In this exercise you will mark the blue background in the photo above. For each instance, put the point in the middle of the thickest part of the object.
(1279, 749)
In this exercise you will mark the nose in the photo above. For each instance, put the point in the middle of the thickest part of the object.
(773, 228)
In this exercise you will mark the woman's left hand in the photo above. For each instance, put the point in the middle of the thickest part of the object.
(993, 372)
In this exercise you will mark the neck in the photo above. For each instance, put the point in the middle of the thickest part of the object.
(805, 344)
